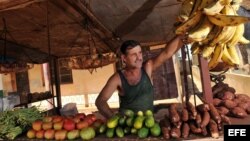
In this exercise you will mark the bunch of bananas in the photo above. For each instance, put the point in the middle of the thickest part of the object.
(214, 29)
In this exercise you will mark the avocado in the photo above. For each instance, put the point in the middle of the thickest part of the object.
(110, 132)
(149, 121)
(143, 132)
(155, 130)
(119, 132)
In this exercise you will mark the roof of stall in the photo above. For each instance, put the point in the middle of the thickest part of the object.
(63, 28)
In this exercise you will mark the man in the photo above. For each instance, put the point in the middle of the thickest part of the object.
(134, 83)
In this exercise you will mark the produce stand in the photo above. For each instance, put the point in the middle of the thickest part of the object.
(134, 137)
(89, 34)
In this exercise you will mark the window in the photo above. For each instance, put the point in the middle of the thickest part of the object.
(66, 76)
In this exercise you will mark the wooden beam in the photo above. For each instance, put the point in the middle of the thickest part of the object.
(84, 11)
(15, 4)
(205, 80)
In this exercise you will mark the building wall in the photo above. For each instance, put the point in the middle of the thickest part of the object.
(6, 81)
(36, 79)
(86, 83)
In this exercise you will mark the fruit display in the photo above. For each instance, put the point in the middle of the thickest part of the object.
(203, 120)
(65, 127)
(141, 124)
(214, 29)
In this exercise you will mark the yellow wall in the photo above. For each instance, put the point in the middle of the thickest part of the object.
(86, 83)
(241, 83)
(83, 81)
(6, 79)
(35, 79)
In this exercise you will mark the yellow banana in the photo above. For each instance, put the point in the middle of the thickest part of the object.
(202, 31)
(193, 20)
(213, 34)
(186, 9)
(237, 35)
(227, 31)
(232, 51)
(216, 57)
(226, 35)
(207, 51)
(195, 48)
(215, 7)
(228, 20)
(227, 58)
(244, 41)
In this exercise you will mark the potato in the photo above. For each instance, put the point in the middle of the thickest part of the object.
(194, 128)
(191, 116)
(228, 95)
(202, 108)
(165, 123)
(184, 115)
(205, 119)
(175, 133)
(220, 95)
(242, 97)
(219, 125)
(243, 105)
(214, 113)
(225, 119)
(173, 114)
(229, 104)
(191, 109)
(222, 110)
(165, 132)
(237, 101)
(239, 112)
(213, 129)
(217, 101)
(248, 110)
(219, 88)
(198, 120)
(185, 130)
(204, 131)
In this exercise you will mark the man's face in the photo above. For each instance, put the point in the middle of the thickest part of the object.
(133, 58)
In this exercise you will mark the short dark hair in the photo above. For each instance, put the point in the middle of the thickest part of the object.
(129, 44)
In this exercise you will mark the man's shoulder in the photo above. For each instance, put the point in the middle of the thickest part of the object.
(115, 76)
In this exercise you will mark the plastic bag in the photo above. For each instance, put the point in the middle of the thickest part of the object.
(69, 109)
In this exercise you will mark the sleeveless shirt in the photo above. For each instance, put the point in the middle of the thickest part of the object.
(137, 97)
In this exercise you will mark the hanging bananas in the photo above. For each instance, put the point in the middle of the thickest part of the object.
(214, 29)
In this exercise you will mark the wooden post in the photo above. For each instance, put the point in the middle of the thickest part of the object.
(185, 74)
(57, 84)
(205, 80)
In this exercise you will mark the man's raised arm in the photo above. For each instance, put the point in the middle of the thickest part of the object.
(170, 49)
